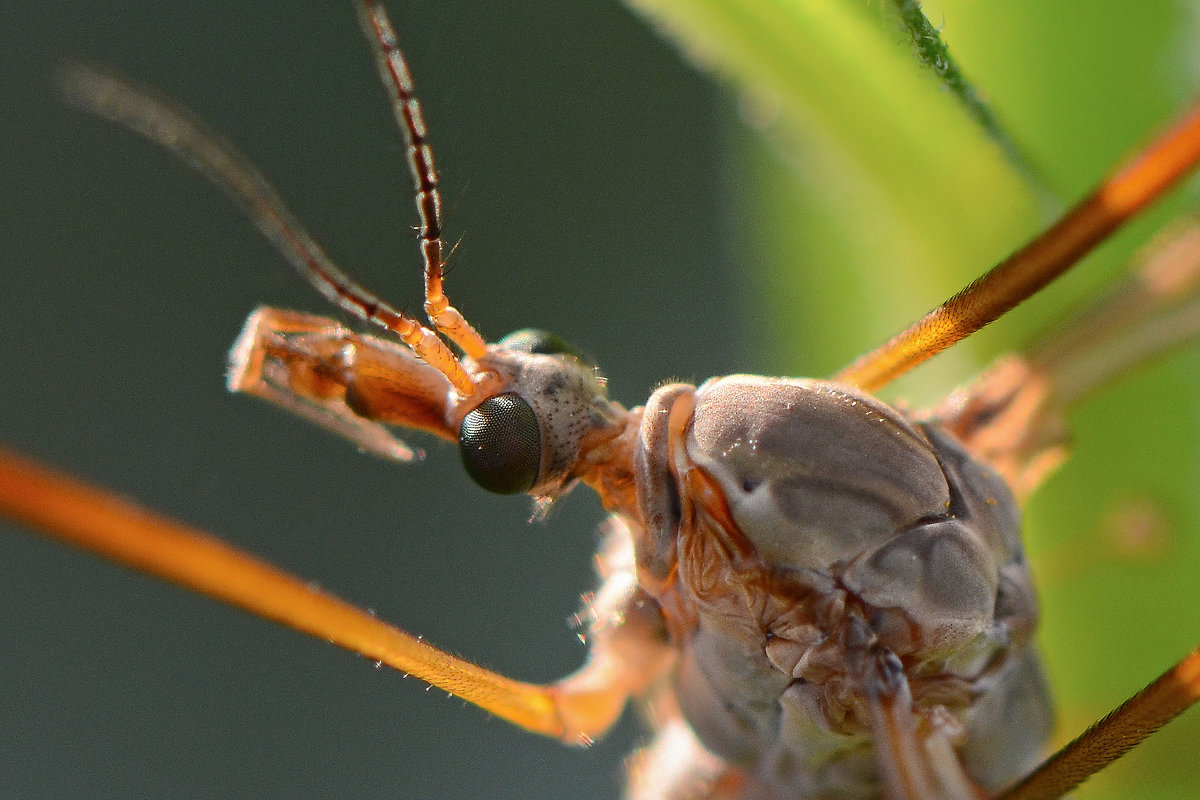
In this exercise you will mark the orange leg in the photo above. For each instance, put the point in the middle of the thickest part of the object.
(1031, 268)
(1115, 735)
(1013, 416)
(576, 709)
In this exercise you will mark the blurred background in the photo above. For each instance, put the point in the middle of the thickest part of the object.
(598, 186)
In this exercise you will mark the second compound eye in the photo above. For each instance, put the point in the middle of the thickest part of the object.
(539, 342)
(501, 444)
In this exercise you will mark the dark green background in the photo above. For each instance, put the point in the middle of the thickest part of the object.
(589, 175)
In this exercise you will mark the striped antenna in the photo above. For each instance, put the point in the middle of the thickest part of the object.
(117, 99)
(393, 70)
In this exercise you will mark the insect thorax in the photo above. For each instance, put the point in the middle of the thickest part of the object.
(843, 528)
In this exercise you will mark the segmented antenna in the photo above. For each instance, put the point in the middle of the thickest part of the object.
(117, 99)
(394, 72)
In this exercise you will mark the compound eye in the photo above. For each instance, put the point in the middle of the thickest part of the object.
(539, 342)
(501, 444)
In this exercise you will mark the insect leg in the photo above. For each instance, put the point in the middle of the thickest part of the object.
(1024, 273)
(1116, 734)
(1155, 309)
(1013, 416)
(575, 709)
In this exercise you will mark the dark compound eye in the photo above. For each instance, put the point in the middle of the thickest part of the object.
(501, 445)
(539, 342)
